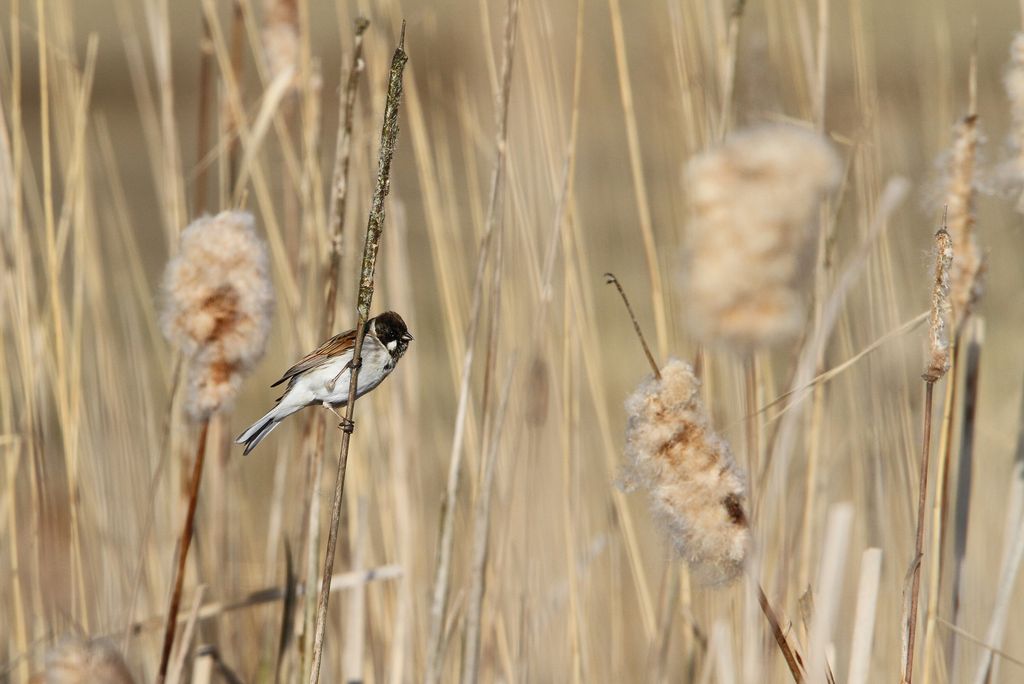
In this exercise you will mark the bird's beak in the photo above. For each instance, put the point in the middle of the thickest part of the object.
(407, 337)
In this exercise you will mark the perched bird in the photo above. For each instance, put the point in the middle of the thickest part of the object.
(322, 377)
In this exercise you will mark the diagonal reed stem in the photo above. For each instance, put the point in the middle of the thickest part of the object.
(612, 280)
(374, 228)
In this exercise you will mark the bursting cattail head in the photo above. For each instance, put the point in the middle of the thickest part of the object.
(218, 301)
(938, 332)
(968, 263)
(74, 661)
(281, 37)
(754, 203)
(695, 486)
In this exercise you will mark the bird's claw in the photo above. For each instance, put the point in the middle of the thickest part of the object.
(347, 425)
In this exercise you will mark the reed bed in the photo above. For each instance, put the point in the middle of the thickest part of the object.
(764, 179)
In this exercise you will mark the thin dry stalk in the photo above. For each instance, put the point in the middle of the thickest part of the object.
(203, 119)
(944, 354)
(339, 201)
(442, 579)
(938, 365)
(237, 65)
(910, 628)
(191, 620)
(639, 184)
(612, 280)
(374, 228)
(340, 184)
(728, 76)
(183, 546)
(482, 520)
(793, 661)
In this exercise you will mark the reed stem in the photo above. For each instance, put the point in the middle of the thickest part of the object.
(183, 547)
(374, 228)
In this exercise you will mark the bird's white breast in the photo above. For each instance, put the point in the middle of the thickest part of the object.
(315, 385)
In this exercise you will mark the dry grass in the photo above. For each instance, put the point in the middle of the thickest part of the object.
(553, 573)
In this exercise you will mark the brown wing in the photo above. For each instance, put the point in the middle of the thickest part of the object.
(336, 346)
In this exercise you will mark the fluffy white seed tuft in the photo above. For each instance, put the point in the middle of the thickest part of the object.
(754, 202)
(218, 303)
(695, 486)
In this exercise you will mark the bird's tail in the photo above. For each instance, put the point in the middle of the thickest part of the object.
(264, 426)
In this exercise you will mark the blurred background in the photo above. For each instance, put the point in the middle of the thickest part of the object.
(608, 102)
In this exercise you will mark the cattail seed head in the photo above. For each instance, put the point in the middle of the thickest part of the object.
(753, 202)
(938, 332)
(695, 486)
(281, 37)
(218, 302)
(74, 661)
(966, 284)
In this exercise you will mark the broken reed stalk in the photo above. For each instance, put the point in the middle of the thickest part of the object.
(938, 365)
(183, 546)
(792, 658)
(442, 576)
(374, 228)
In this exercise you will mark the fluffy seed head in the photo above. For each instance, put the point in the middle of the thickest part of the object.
(75, 661)
(938, 333)
(695, 486)
(754, 201)
(968, 264)
(281, 37)
(218, 302)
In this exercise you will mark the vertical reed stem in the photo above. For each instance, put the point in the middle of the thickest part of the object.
(911, 626)
(374, 228)
(183, 546)
(203, 119)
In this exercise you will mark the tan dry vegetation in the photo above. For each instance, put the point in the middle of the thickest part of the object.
(99, 161)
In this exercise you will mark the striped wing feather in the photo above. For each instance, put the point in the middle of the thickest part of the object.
(334, 347)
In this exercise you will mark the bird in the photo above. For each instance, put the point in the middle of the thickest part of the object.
(322, 377)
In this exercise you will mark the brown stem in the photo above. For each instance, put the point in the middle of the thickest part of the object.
(612, 280)
(183, 547)
(911, 627)
(374, 228)
(792, 658)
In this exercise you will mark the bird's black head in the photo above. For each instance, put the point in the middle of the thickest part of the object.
(392, 332)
